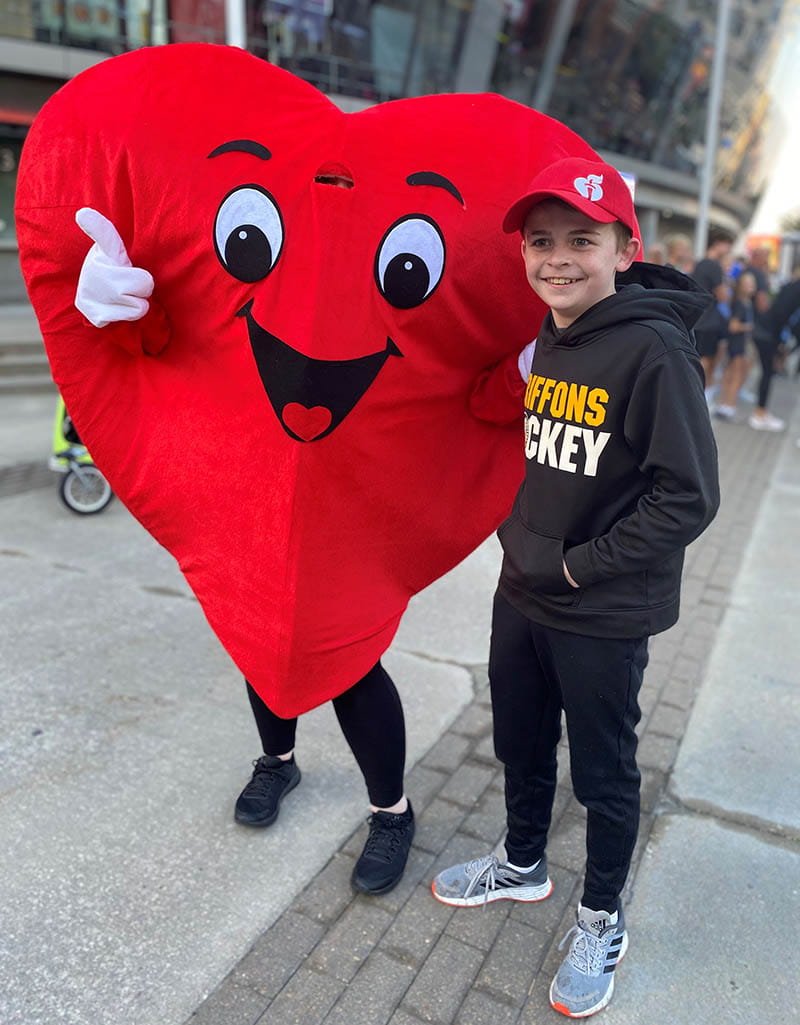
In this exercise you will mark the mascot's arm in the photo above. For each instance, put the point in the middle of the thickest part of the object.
(113, 294)
(498, 392)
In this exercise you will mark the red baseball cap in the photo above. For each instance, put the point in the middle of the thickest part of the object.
(596, 189)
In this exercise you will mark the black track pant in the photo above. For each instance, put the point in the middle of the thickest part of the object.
(371, 717)
(536, 672)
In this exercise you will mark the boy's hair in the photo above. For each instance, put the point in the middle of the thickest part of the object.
(624, 235)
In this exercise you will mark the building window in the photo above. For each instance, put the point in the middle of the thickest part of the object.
(10, 150)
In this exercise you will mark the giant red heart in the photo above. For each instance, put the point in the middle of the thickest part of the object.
(302, 442)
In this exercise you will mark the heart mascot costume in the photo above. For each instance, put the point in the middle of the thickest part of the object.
(291, 419)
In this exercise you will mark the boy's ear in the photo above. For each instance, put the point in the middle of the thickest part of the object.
(628, 254)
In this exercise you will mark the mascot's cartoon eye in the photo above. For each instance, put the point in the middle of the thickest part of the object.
(248, 233)
(410, 261)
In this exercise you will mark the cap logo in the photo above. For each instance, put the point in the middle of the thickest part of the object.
(590, 187)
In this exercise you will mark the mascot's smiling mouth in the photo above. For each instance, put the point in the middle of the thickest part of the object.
(310, 397)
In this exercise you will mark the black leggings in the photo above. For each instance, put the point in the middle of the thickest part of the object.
(371, 717)
(767, 346)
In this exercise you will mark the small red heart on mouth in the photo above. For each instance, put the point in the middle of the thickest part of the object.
(306, 423)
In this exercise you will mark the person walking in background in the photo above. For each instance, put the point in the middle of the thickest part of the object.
(675, 251)
(740, 334)
(621, 474)
(679, 252)
(766, 341)
(784, 313)
(711, 328)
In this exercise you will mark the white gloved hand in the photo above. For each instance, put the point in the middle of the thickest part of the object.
(110, 289)
(525, 360)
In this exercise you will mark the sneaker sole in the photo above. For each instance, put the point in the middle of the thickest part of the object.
(526, 894)
(562, 1009)
(362, 888)
(262, 823)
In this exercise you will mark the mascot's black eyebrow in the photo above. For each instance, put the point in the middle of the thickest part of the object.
(432, 178)
(255, 149)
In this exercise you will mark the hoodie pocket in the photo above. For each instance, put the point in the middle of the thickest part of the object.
(533, 562)
(663, 580)
(624, 593)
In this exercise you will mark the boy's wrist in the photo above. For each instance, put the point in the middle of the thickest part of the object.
(568, 575)
(525, 360)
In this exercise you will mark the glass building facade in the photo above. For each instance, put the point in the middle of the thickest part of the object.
(633, 79)
(631, 76)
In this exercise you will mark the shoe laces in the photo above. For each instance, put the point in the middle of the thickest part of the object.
(385, 836)
(265, 776)
(482, 871)
(588, 952)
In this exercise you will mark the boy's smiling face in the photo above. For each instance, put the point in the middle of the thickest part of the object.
(571, 260)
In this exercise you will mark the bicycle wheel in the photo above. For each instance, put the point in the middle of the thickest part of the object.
(85, 491)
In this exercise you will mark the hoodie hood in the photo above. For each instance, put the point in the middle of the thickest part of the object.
(647, 291)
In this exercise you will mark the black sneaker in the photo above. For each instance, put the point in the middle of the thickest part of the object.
(385, 853)
(259, 802)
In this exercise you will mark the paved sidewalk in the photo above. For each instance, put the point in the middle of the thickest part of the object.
(26, 433)
(18, 323)
(712, 899)
(26, 420)
(404, 959)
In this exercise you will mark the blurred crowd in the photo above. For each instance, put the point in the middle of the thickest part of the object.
(749, 334)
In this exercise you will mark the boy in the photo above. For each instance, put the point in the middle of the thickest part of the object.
(621, 474)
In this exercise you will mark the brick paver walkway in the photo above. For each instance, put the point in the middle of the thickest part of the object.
(26, 476)
(404, 959)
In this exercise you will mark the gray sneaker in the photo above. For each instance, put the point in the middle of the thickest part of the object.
(487, 879)
(585, 981)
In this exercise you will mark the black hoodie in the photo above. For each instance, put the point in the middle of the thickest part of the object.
(621, 463)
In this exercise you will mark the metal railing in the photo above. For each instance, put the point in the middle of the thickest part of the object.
(115, 27)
